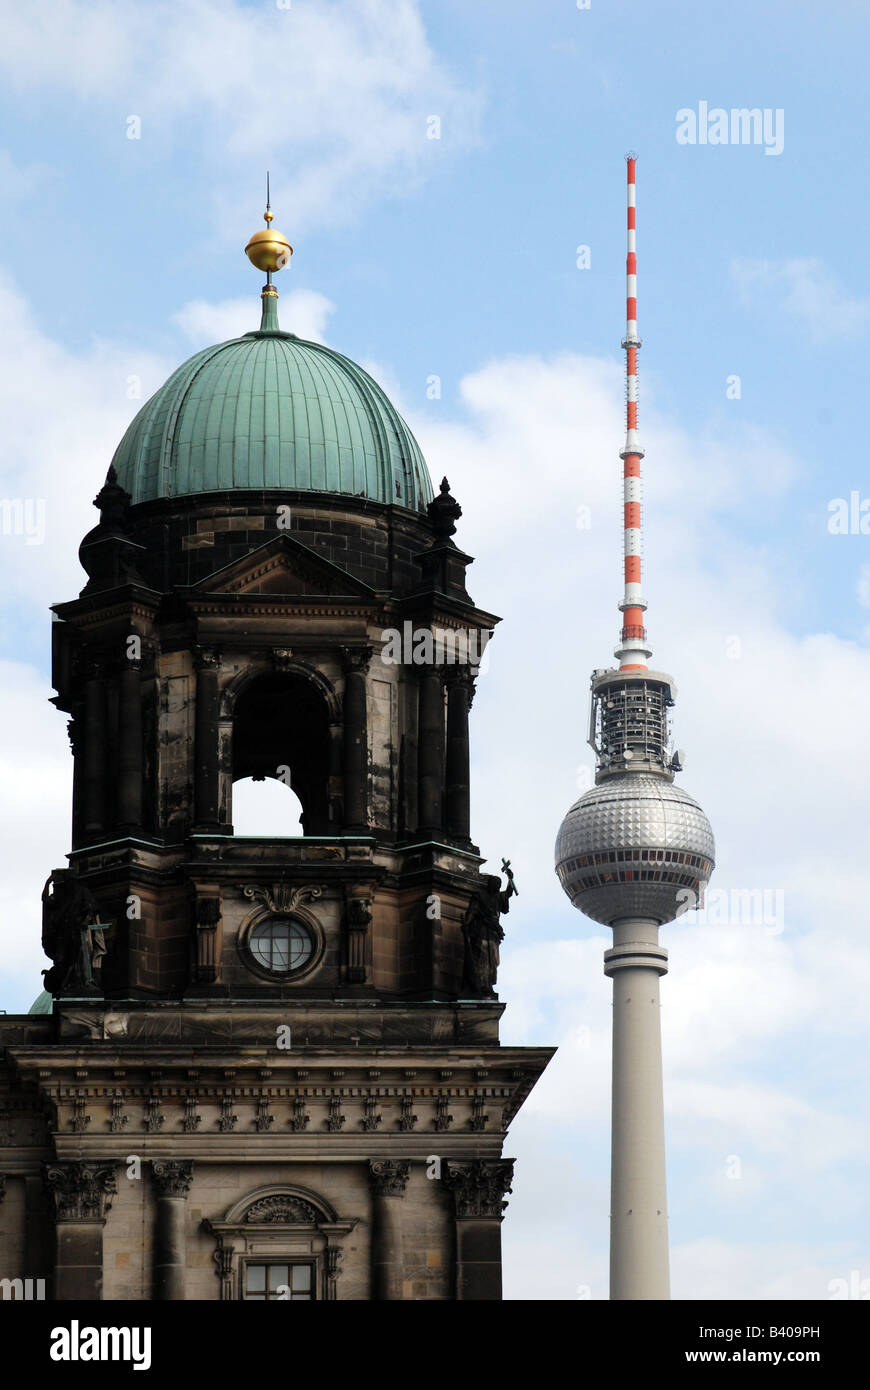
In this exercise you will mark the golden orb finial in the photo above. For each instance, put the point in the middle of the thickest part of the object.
(268, 249)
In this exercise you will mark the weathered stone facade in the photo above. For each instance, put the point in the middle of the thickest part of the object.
(192, 1119)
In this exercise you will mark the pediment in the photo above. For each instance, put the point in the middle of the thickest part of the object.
(284, 566)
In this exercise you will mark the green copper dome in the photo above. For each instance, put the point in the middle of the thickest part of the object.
(270, 410)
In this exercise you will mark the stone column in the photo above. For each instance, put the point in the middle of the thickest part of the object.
(334, 1257)
(356, 741)
(207, 753)
(358, 918)
(388, 1178)
(208, 915)
(172, 1178)
(335, 793)
(95, 770)
(130, 747)
(638, 1190)
(430, 752)
(460, 689)
(479, 1187)
(81, 1194)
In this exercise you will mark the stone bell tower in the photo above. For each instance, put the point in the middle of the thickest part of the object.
(267, 1067)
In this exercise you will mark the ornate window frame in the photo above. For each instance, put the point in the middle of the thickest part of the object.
(279, 1224)
(281, 902)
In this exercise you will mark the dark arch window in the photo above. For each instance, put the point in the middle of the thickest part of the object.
(281, 731)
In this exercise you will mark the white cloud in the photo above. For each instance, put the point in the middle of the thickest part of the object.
(63, 417)
(36, 782)
(806, 289)
(20, 183)
(303, 312)
(337, 93)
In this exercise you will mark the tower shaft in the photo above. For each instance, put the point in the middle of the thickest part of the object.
(638, 1189)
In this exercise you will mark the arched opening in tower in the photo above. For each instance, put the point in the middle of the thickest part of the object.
(266, 807)
(281, 735)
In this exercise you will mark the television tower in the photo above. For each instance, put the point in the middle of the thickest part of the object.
(635, 852)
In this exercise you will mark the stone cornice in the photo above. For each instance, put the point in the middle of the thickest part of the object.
(102, 1095)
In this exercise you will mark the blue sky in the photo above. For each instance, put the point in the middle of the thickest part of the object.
(456, 257)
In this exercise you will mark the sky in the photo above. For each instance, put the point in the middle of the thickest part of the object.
(451, 177)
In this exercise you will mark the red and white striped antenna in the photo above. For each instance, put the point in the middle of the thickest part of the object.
(632, 650)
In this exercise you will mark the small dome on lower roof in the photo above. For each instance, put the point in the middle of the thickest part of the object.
(270, 410)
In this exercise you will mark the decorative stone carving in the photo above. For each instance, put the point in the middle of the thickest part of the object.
(208, 915)
(300, 1118)
(222, 1258)
(389, 1176)
(358, 918)
(80, 1120)
(483, 932)
(192, 1119)
(72, 935)
(282, 897)
(479, 1118)
(264, 1120)
(443, 1119)
(154, 1121)
(80, 1191)
(290, 1211)
(228, 1120)
(208, 659)
(371, 1118)
(108, 554)
(479, 1186)
(334, 1118)
(407, 1120)
(118, 1119)
(334, 1257)
(356, 659)
(444, 511)
(172, 1176)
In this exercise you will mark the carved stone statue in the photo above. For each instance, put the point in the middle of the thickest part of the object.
(483, 931)
(72, 935)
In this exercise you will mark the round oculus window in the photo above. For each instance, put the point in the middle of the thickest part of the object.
(281, 945)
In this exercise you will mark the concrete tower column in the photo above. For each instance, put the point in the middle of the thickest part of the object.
(172, 1178)
(638, 1191)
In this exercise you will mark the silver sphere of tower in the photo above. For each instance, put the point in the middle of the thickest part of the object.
(635, 846)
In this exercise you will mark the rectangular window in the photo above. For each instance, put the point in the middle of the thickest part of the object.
(278, 1282)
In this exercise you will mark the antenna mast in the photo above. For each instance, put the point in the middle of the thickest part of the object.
(632, 651)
